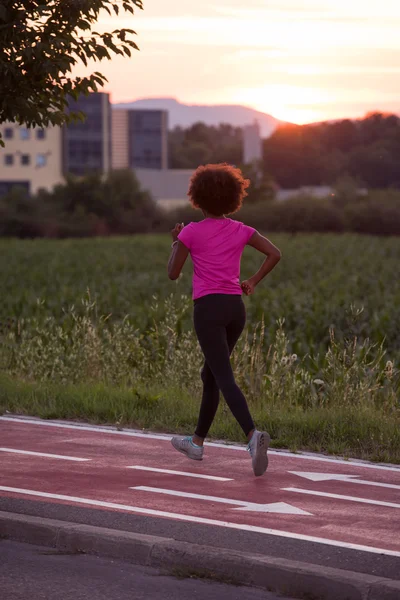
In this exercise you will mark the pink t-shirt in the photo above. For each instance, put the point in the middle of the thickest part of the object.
(216, 247)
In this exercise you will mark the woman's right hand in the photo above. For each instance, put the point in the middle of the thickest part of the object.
(176, 231)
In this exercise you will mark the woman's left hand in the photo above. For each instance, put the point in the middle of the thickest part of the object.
(248, 287)
(176, 231)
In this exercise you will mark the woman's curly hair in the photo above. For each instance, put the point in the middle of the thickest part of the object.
(218, 189)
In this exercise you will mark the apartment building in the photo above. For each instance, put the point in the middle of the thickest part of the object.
(139, 139)
(87, 145)
(32, 158)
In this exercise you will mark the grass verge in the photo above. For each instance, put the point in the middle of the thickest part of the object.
(357, 432)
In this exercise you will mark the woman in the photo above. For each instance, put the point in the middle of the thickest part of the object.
(216, 245)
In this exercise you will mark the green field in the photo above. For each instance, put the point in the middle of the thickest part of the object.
(93, 329)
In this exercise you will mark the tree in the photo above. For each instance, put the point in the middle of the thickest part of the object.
(40, 43)
(201, 144)
(320, 154)
(262, 187)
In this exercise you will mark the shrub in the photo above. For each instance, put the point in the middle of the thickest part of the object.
(377, 214)
(82, 207)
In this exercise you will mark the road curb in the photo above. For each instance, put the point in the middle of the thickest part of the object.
(276, 574)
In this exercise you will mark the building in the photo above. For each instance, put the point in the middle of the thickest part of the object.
(140, 139)
(148, 139)
(87, 145)
(120, 139)
(32, 158)
(252, 143)
(168, 187)
(40, 158)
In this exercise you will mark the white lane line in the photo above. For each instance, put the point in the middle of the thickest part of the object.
(344, 478)
(44, 454)
(166, 438)
(169, 472)
(340, 497)
(274, 507)
(192, 519)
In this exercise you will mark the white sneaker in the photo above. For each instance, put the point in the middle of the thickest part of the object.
(186, 446)
(258, 448)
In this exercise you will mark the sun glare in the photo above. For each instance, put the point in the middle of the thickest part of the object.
(287, 103)
(299, 116)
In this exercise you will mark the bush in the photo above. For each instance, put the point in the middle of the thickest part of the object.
(82, 207)
(300, 214)
(18, 215)
(93, 206)
(378, 214)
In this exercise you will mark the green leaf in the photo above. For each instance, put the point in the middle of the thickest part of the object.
(85, 25)
(99, 80)
(36, 63)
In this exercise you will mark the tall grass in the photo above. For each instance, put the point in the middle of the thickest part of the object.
(89, 366)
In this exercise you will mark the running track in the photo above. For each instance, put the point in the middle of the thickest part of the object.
(350, 505)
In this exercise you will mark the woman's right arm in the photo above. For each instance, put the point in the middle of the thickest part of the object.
(273, 256)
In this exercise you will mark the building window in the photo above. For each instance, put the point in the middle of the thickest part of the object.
(41, 160)
(7, 186)
(9, 159)
(25, 159)
(24, 133)
(40, 134)
(8, 133)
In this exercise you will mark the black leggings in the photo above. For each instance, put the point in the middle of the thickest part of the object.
(219, 320)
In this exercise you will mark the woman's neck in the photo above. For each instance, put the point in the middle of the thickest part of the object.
(210, 216)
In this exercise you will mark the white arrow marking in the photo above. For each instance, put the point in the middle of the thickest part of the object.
(340, 497)
(341, 477)
(195, 519)
(276, 507)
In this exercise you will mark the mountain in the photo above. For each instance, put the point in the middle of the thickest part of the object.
(188, 114)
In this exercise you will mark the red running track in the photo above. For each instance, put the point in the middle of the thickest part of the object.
(341, 503)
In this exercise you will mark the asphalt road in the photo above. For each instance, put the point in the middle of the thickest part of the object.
(44, 574)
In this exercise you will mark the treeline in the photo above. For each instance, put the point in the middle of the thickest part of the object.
(376, 213)
(308, 155)
(318, 154)
(202, 144)
(116, 205)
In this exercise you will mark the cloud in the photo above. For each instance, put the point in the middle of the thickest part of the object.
(347, 53)
(341, 11)
(297, 36)
(280, 12)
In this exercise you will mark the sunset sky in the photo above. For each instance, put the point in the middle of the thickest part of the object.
(299, 60)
